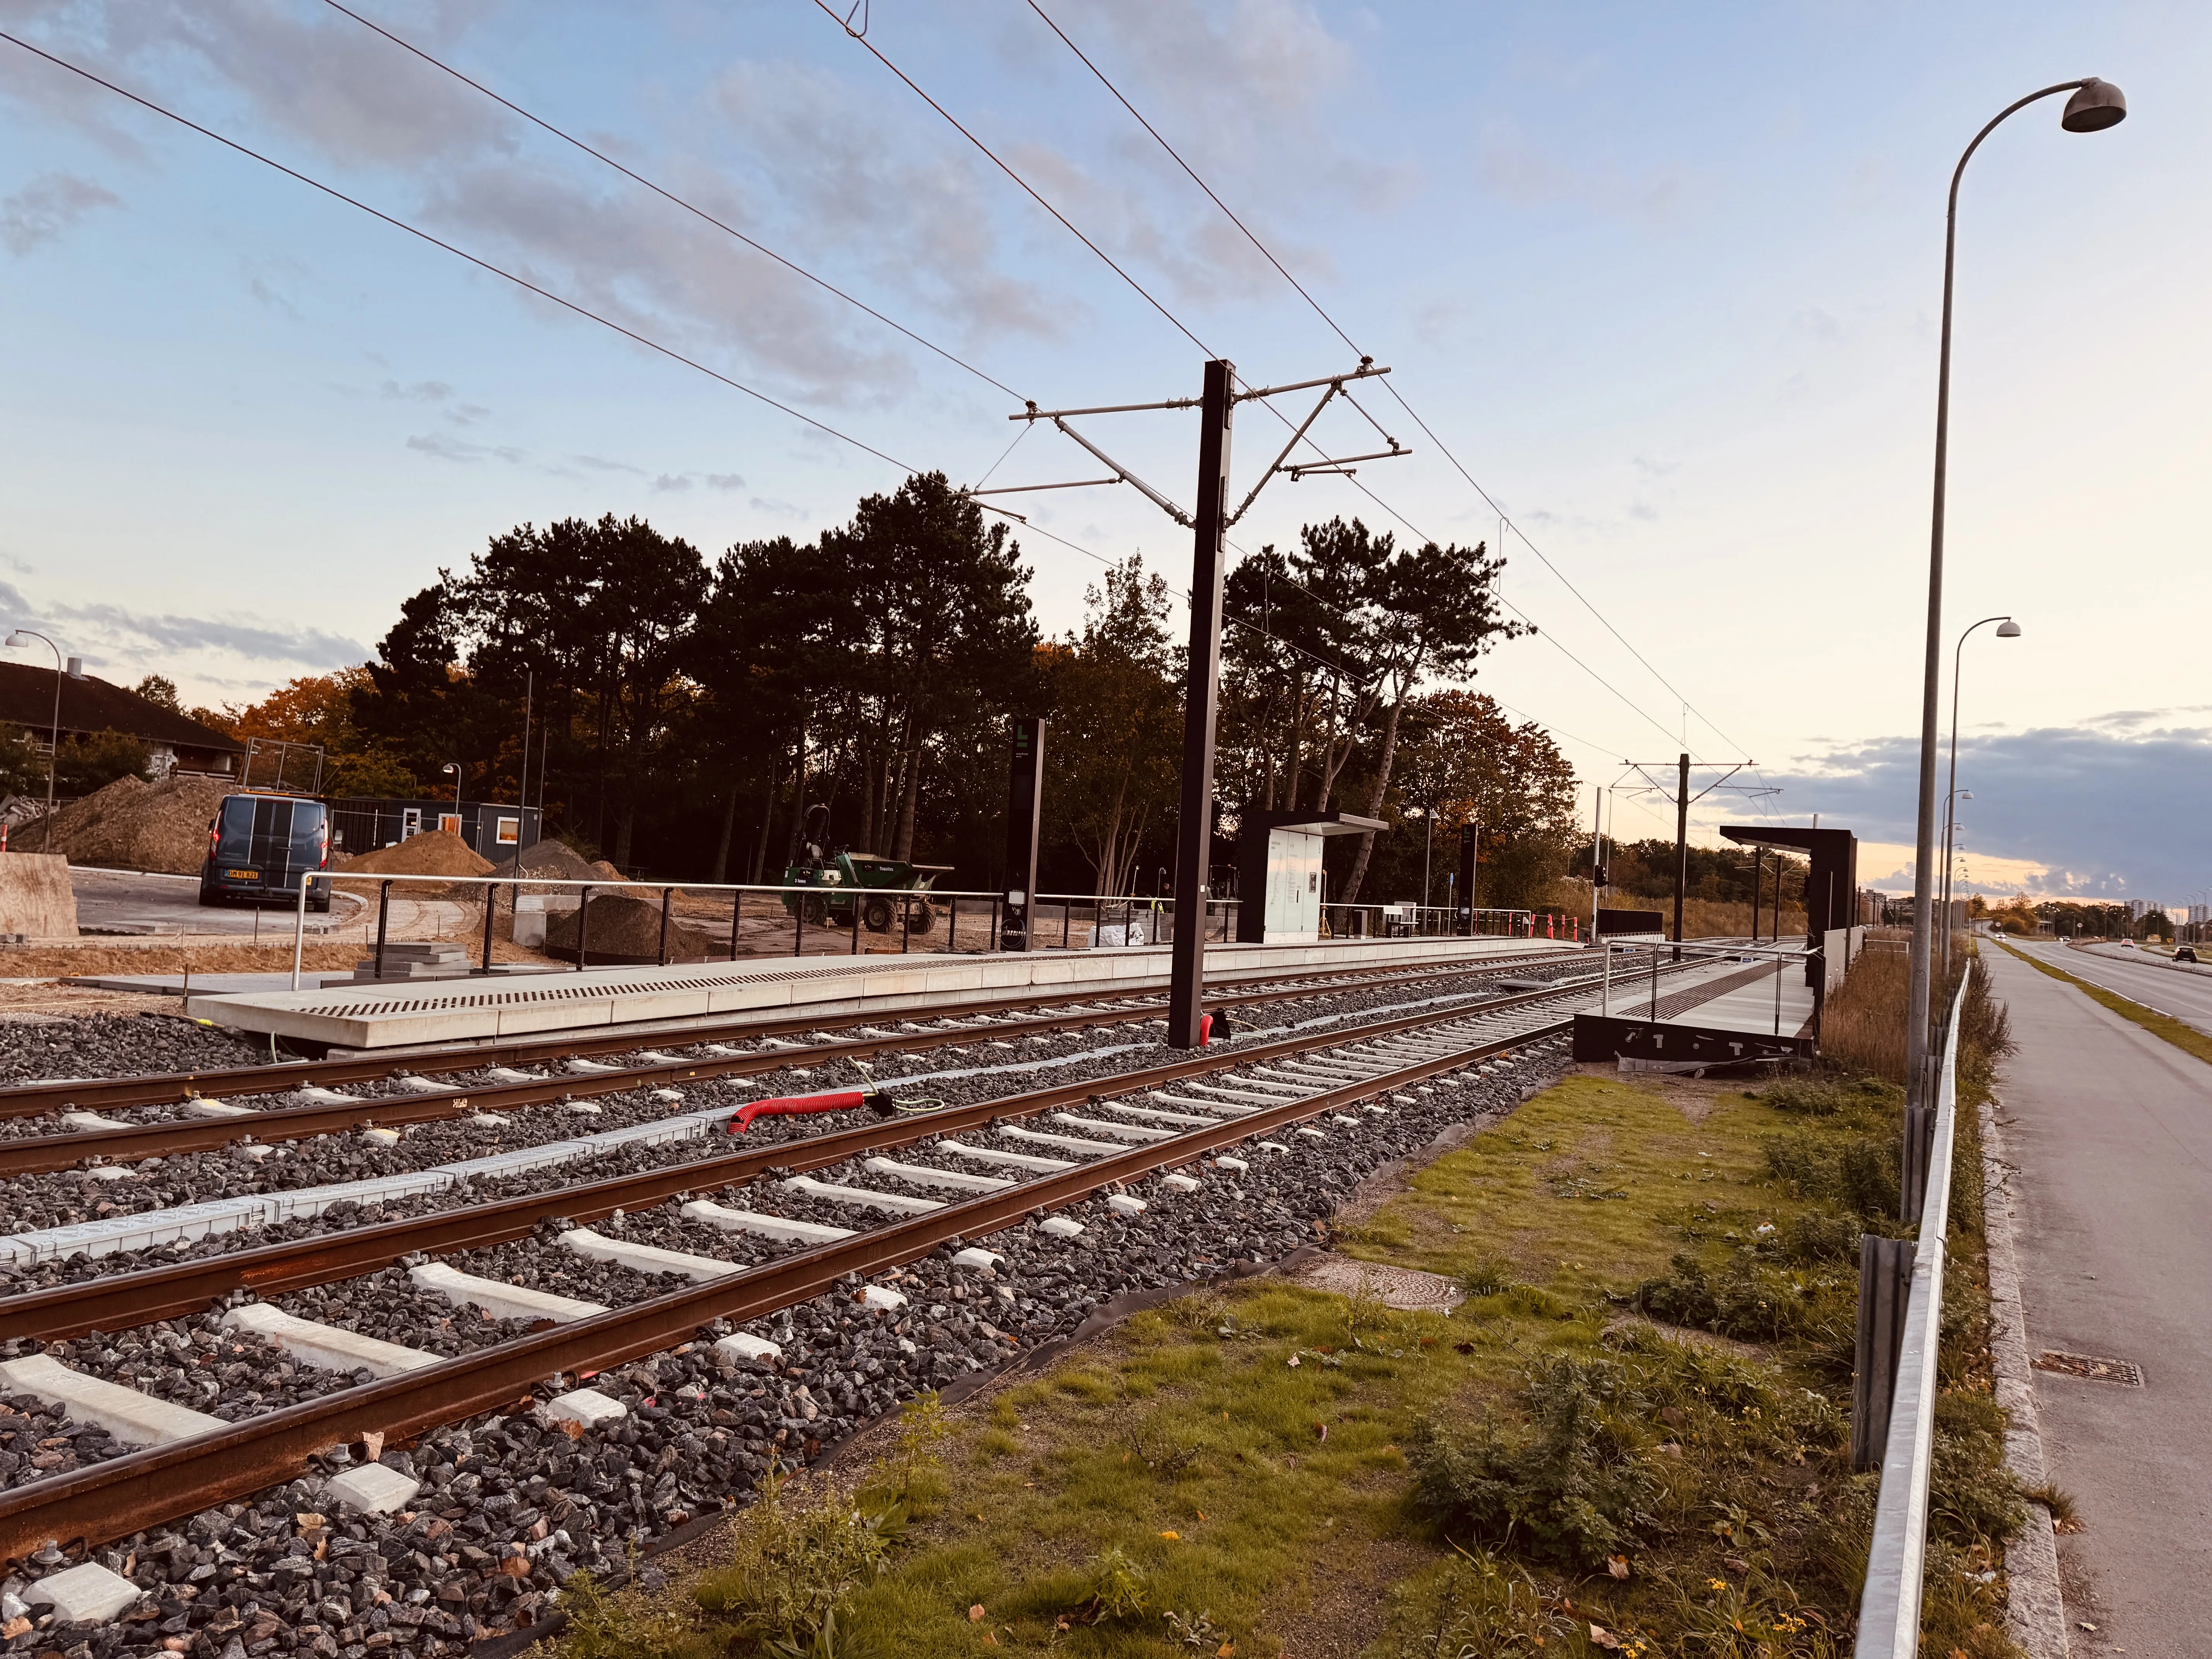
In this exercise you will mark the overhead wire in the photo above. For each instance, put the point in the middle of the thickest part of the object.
(668, 194)
(1388, 386)
(1177, 322)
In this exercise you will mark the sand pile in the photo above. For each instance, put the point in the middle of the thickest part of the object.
(552, 860)
(601, 867)
(432, 853)
(624, 930)
(132, 824)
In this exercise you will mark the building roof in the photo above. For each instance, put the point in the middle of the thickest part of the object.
(27, 698)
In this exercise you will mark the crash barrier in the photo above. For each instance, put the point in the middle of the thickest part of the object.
(1893, 1381)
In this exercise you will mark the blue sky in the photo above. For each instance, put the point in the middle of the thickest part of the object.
(1666, 280)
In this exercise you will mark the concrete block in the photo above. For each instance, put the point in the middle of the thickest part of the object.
(508, 1075)
(1180, 1184)
(490, 1120)
(1220, 1108)
(668, 1097)
(1273, 1146)
(1133, 1133)
(1237, 1164)
(976, 1256)
(1069, 1143)
(865, 1198)
(87, 1595)
(371, 1488)
(36, 899)
(887, 1301)
(1122, 1203)
(582, 1108)
(1005, 1160)
(381, 1137)
(327, 1345)
(1309, 1132)
(951, 1181)
(644, 1258)
(86, 1123)
(762, 1226)
(742, 1346)
(1149, 1115)
(135, 1419)
(1060, 1227)
(500, 1301)
(586, 1406)
(204, 1106)
(111, 1172)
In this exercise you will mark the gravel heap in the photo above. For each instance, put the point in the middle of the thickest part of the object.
(132, 824)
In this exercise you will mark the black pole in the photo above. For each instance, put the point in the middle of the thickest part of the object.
(1201, 691)
(1681, 850)
(1758, 888)
(382, 915)
(737, 910)
(856, 925)
(666, 894)
(798, 924)
(1025, 805)
(491, 904)
(583, 926)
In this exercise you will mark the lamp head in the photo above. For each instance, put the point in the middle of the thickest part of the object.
(1966, 794)
(449, 766)
(17, 640)
(2007, 629)
(2097, 104)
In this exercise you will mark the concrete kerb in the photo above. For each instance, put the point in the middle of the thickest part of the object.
(2035, 1607)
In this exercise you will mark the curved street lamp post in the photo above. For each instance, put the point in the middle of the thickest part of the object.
(2095, 105)
(20, 637)
(2007, 629)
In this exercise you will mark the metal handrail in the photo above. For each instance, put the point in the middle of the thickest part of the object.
(1889, 1607)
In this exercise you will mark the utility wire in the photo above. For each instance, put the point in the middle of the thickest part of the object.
(459, 253)
(667, 195)
(1178, 325)
(1322, 312)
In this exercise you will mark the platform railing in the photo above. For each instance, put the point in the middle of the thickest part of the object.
(1889, 1607)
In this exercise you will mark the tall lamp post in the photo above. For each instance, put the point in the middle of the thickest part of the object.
(2007, 629)
(2094, 105)
(17, 641)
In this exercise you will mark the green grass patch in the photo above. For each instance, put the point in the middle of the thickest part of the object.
(1266, 1470)
(2186, 1038)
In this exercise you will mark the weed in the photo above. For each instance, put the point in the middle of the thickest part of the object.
(626, 1624)
(1817, 1096)
(1813, 1239)
(1481, 1607)
(1761, 1617)
(1973, 1493)
(1491, 1275)
(1118, 1590)
(794, 1564)
(2058, 1501)
(1571, 1484)
(1195, 1631)
(1747, 1298)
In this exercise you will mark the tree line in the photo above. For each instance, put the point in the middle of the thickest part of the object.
(685, 712)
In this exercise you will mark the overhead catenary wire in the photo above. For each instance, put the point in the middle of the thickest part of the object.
(1182, 328)
(668, 194)
(1390, 387)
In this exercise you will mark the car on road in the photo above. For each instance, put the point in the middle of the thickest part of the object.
(261, 847)
(2183, 953)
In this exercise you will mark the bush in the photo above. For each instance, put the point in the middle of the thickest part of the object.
(793, 1565)
(1812, 1238)
(1746, 1300)
(1570, 1486)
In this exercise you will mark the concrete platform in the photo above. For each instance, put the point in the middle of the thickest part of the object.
(396, 1017)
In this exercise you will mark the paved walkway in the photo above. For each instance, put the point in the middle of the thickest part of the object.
(2113, 1130)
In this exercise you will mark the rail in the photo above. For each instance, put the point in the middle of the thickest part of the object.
(1889, 1607)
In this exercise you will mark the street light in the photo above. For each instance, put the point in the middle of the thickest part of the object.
(2007, 629)
(2094, 105)
(17, 641)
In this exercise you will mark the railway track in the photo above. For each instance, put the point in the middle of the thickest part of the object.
(1064, 1181)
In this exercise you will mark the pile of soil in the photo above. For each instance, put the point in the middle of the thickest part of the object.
(624, 931)
(552, 860)
(432, 853)
(132, 824)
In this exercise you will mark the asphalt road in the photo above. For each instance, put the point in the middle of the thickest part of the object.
(128, 902)
(2112, 1129)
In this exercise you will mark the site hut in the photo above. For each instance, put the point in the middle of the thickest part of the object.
(491, 829)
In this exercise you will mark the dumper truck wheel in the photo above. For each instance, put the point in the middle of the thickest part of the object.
(922, 919)
(815, 910)
(878, 915)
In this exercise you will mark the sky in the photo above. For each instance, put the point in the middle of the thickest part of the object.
(1662, 284)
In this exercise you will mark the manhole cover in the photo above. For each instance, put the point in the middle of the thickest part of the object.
(2090, 1367)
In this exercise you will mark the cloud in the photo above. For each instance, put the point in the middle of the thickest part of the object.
(2104, 815)
(421, 391)
(132, 634)
(725, 481)
(446, 447)
(780, 510)
(1644, 511)
(672, 483)
(46, 207)
(1511, 166)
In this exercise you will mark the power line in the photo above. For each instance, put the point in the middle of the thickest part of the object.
(649, 344)
(1322, 312)
(691, 207)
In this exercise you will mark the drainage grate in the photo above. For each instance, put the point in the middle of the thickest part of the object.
(2091, 1367)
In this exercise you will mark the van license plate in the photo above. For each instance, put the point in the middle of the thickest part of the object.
(241, 875)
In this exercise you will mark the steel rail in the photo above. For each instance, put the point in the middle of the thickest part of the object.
(114, 1499)
(127, 1143)
(167, 1088)
(122, 1301)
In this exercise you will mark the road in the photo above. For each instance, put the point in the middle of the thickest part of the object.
(2175, 991)
(127, 902)
(2112, 1129)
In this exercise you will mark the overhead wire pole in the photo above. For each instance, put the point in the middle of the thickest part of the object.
(1201, 696)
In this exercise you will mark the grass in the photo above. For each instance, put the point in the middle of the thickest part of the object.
(1268, 1470)
(2186, 1038)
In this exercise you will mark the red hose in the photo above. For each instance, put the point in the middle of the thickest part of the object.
(801, 1105)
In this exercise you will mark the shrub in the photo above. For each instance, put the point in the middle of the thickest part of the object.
(792, 1564)
(1570, 1484)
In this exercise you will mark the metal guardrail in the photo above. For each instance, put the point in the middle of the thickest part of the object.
(1889, 1607)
